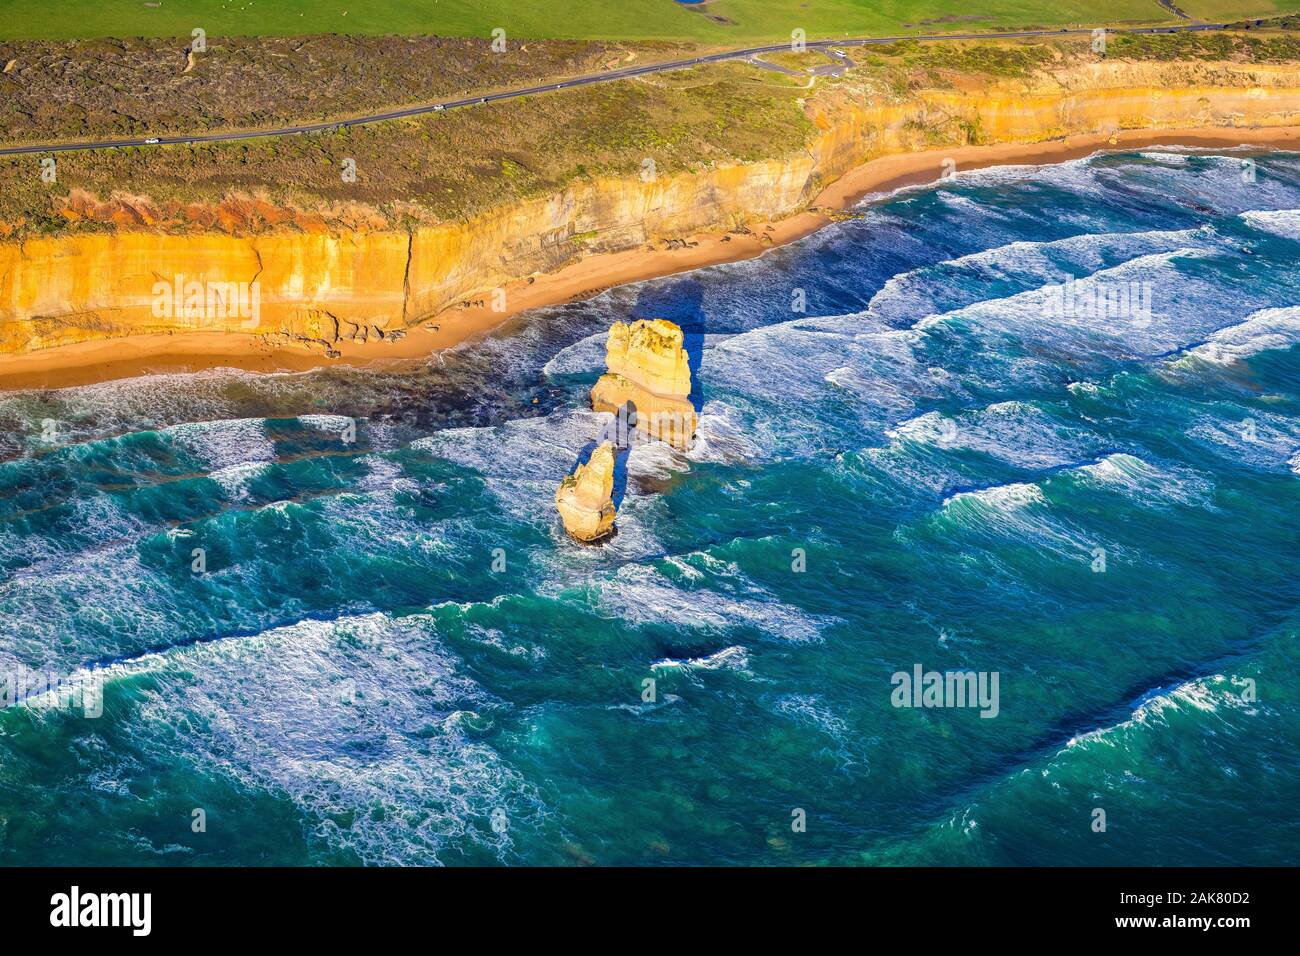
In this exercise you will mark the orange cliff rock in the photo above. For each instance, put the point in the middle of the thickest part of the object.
(325, 272)
(650, 371)
(585, 498)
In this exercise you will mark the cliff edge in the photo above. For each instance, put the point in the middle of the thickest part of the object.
(327, 285)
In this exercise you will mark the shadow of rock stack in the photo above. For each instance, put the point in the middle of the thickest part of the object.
(585, 498)
(648, 384)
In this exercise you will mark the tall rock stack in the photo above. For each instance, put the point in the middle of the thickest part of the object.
(648, 385)
(649, 375)
(585, 498)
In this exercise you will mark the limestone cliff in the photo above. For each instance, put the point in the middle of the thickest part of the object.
(333, 283)
(585, 498)
(649, 380)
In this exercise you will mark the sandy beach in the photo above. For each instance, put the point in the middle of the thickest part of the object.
(188, 352)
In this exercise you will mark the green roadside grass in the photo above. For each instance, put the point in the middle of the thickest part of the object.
(716, 21)
(1216, 11)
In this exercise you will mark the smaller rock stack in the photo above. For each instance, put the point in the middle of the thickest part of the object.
(585, 498)
(649, 377)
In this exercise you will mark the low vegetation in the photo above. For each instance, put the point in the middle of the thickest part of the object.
(124, 88)
(444, 165)
(455, 163)
(1270, 44)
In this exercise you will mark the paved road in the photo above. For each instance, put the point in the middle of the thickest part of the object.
(606, 77)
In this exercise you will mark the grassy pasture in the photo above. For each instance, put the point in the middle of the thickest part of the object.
(1216, 11)
(716, 21)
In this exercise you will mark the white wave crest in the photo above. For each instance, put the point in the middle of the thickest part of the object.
(234, 480)
(1000, 498)
(1016, 432)
(1206, 697)
(1279, 222)
(734, 658)
(1148, 484)
(222, 444)
(1260, 331)
(330, 424)
(641, 594)
(358, 721)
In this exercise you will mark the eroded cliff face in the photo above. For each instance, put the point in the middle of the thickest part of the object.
(325, 284)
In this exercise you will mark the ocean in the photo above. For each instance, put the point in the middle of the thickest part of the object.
(1036, 424)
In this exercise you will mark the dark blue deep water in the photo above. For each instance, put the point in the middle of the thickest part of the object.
(1102, 509)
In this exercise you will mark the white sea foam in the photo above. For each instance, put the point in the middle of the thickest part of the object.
(930, 428)
(374, 523)
(848, 378)
(91, 605)
(383, 474)
(911, 469)
(822, 365)
(330, 424)
(1018, 513)
(1260, 331)
(1170, 158)
(1015, 432)
(1207, 697)
(733, 658)
(493, 637)
(98, 526)
(1121, 469)
(582, 357)
(521, 458)
(1148, 484)
(1074, 172)
(1182, 310)
(522, 462)
(655, 460)
(911, 295)
(1002, 498)
(719, 437)
(524, 449)
(135, 403)
(1279, 222)
(1256, 438)
(234, 479)
(812, 711)
(222, 444)
(641, 594)
(357, 721)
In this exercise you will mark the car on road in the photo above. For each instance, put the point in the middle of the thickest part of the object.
(153, 140)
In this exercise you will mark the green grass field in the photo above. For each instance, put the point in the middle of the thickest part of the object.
(1217, 11)
(715, 22)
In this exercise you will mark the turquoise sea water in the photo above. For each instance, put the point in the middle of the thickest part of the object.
(351, 681)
